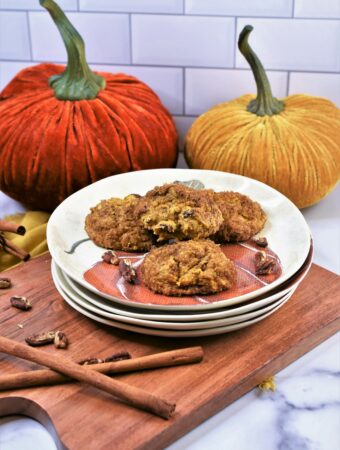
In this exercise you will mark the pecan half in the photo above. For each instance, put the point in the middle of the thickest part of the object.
(5, 283)
(20, 302)
(37, 340)
(115, 357)
(263, 264)
(60, 340)
(110, 257)
(261, 242)
(118, 357)
(89, 361)
(127, 271)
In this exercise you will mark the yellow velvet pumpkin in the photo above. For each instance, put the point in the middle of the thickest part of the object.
(292, 145)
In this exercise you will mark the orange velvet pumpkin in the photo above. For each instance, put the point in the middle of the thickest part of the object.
(64, 128)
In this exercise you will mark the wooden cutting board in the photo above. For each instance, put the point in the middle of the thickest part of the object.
(81, 417)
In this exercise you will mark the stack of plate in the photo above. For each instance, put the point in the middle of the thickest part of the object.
(74, 255)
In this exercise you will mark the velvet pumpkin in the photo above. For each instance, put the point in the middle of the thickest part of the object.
(64, 128)
(292, 144)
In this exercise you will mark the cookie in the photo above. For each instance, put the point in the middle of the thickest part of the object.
(175, 211)
(242, 217)
(188, 268)
(113, 224)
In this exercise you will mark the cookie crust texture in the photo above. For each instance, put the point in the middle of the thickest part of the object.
(242, 217)
(188, 268)
(113, 224)
(175, 211)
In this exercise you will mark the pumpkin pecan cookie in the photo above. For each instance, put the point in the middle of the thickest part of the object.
(242, 217)
(188, 268)
(175, 211)
(113, 224)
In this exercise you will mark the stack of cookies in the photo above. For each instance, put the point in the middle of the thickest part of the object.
(182, 229)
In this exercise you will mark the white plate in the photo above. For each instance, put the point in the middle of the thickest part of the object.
(286, 229)
(66, 290)
(177, 316)
(167, 333)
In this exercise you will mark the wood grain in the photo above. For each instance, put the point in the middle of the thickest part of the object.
(82, 417)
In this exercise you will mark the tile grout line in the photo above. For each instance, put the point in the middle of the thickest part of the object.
(161, 66)
(184, 90)
(130, 38)
(293, 8)
(235, 42)
(29, 35)
(178, 14)
(288, 83)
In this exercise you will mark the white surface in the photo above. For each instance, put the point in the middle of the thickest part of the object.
(240, 7)
(317, 8)
(208, 87)
(144, 6)
(106, 36)
(183, 40)
(71, 214)
(309, 420)
(14, 42)
(279, 44)
(320, 84)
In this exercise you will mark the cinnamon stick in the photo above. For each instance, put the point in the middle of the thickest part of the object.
(8, 246)
(12, 227)
(129, 394)
(48, 377)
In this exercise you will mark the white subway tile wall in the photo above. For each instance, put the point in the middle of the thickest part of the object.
(320, 84)
(67, 5)
(106, 35)
(135, 6)
(183, 40)
(186, 50)
(264, 8)
(208, 87)
(14, 36)
(317, 8)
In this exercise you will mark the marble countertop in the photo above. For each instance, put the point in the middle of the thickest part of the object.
(302, 414)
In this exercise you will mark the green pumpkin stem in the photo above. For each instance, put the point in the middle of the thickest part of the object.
(77, 82)
(264, 104)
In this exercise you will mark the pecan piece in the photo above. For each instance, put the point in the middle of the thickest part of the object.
(127, 271)
(5, 283)
(20, 302)
(188, 213)
(40, 339)
(263, 264)
(261, 242)
(110, 257)
(89, 361)
(115, 357)
(60, 340)
(167, 227)
(118, 357)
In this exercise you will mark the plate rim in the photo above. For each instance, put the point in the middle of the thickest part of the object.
(171, 333)
(215, 305)
(163, 324)
(211, 313)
